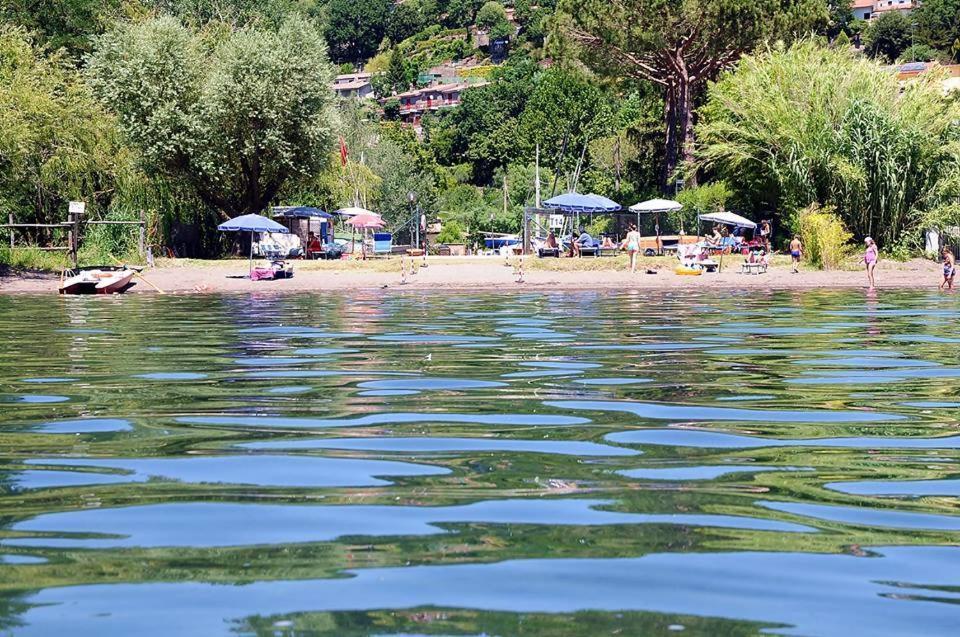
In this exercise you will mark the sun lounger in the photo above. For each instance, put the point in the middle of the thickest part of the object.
(548, 252)
(753, 268)
(609, 252)
(691, 256)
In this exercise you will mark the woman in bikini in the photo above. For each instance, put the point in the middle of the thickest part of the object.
(870, 257)
(949, 269)
(632, 245)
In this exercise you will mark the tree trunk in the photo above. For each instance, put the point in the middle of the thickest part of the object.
(685, 121)
(670, 136)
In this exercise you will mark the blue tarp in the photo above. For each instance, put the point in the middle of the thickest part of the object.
(300, 212)
(575, 202)
(251, 223)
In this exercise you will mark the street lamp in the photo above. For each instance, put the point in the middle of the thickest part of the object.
(414, 218)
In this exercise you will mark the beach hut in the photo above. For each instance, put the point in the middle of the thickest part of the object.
(656, 206)
(304, 212)
(252, 223)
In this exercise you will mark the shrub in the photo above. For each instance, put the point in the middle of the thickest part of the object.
(825, 239)
(451, 232)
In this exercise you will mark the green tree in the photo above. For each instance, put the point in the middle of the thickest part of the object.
(888, 36)
(56, 142)
(461, 13)
(816, 125)
(235, 117)
(490, 15)
(63, 23)
(923, 53)
(564, 113)
(405, 20)
(355, 28)
(679, 45)
(938, 25)
(398, 77)
(841, 18)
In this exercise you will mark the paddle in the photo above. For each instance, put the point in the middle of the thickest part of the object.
(145, 280)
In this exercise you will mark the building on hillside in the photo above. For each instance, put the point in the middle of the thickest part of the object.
(862, 9)
(912, 70)
(353, 86)
(869, 9)
(414, 104)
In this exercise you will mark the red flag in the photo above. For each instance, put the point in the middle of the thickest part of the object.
(343, 152)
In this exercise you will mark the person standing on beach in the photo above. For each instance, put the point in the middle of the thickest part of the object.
(632, 245)
(765, 232)
(870, 257)
(796, 253)
(949, 269)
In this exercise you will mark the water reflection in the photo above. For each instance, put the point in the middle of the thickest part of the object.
(517, 463)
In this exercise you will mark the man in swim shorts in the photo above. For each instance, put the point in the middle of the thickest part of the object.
(796, 251)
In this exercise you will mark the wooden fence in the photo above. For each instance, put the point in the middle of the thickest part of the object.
(74, 226)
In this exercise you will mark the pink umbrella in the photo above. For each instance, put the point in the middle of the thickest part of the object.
(366, 220)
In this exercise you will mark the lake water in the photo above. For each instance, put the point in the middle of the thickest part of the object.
(477, 464)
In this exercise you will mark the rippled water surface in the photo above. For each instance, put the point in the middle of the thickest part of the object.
(485, 464)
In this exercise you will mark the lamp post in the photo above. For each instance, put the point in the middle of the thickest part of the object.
(414, 218)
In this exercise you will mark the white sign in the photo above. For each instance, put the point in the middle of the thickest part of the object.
(77, 207)
(556, 221)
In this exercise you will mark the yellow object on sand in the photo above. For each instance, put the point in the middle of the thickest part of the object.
(682, 269)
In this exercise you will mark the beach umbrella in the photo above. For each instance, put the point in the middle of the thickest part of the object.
(251, 224)
(729, 219)
(575, 202)
(352, 211)
(656, 206)
(365, 220)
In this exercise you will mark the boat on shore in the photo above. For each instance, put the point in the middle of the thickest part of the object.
(100, 279)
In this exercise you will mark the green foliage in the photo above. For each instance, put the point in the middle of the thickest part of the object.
(888, 36)
(56, 142)
(938, 25)
(922, 53)
(235, 116)
(826, 241)
(810, 124)
(703, 199)
(678, 45)
(840, 18)
(355, 28)
(461, 13)
(405, 21)
(64, 24)
(399, 76)
(451, 232)
(490, 14)
(33, 259)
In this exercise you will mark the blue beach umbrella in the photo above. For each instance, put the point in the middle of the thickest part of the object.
(575, 202)
(251, 224)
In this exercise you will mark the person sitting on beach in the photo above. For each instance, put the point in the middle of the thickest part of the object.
(583, 241)
(551, 243)
(949, 269)
(717, 238)
(796, 252)
(608, 243)
(313, 244)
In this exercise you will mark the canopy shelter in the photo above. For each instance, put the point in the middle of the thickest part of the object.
(729, 219)
(251, 224)
(304, 212)
(656, 206)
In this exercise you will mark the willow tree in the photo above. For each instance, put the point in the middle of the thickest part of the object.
(235, 113)
(679, 45)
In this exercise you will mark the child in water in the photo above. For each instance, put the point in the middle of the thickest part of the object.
(949, 269)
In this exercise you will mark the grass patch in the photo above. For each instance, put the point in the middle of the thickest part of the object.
(34, 259)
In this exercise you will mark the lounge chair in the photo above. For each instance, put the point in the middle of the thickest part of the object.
(382, 244)
(691, 256)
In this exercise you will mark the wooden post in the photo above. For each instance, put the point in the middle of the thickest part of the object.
(142, 237)
(10, 221)
(75, 238)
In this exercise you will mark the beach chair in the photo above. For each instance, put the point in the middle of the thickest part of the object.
(691, 256)
(382, 244)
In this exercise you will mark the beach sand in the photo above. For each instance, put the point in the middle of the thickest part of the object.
(446, 273)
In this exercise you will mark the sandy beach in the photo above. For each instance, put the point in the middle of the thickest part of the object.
(452, 273)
